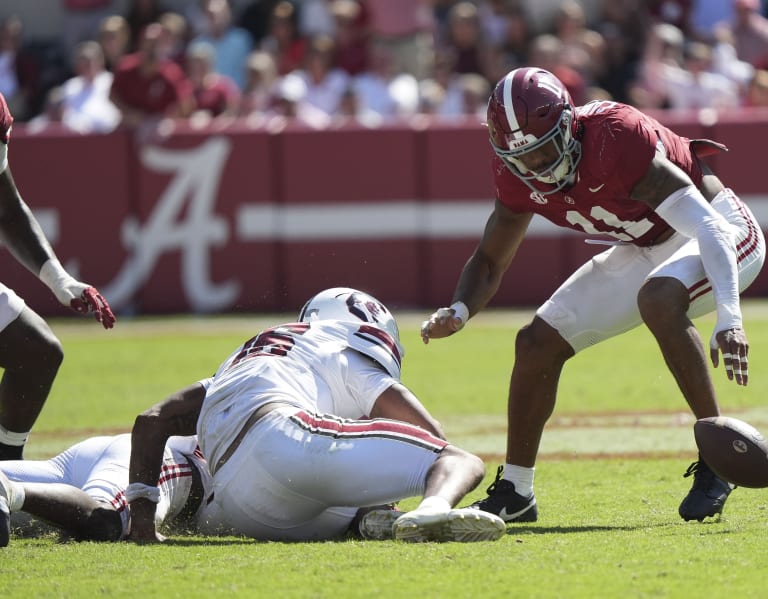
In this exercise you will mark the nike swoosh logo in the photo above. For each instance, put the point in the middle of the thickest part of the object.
(596, 189)
(506, 516)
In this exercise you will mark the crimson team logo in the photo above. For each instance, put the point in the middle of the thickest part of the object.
(538, 198)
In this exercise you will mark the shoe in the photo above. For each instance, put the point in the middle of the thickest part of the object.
(707, 495)
(506, 503)
(376, 525)
(463, 525)
(6, 496)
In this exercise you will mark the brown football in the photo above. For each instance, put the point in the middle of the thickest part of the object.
(734, 450)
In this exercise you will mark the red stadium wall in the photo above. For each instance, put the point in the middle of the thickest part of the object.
(241, 218)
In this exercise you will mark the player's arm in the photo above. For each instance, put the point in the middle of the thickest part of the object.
(483, 272)
(670, 191)
(399, 403)
(176, 415)
(26, 241)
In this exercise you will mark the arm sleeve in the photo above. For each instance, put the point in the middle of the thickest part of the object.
(689, 213)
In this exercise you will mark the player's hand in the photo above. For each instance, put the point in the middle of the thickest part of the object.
(441, 324)
(145, 537)
(734, 346)
(81, 297)
(90, 300)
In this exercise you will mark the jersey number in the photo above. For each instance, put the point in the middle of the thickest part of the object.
(627, 230)
(272, 342)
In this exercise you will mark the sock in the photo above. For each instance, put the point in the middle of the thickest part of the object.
(12, 444)
(434, 504)
(521, 477)
(16, 497)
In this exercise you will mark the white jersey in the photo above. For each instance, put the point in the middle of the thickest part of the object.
(317, 366)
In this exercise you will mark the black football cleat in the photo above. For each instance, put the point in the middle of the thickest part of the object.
(707, 495)
(507, 503)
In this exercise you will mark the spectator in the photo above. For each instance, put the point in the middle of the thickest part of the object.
(52, 114)
(582, 49)
(232, 44)
(315, 19)
(406, 26)
(674, 12)
(260, 79)
(141, 13)
(468, 97)
(512, 52)
(80, 21)
(283, 40)
(85, 97)
(757, 91)
(351, 36)
(748, 31)
(707, 16)
(255, 18)
(173, 41)
(431, 96)
(215, 94)
(695, 86)
(383, 93)
(664, 51)
(10, 47)
(323, 83)
(464, 40)
(147, 87)
(546, 52)
(115, 39)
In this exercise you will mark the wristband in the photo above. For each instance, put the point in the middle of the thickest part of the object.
(142, 491)
(460, 311)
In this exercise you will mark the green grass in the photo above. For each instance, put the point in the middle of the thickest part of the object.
(608, 482)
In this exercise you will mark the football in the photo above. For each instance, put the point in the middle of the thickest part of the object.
(734, 450)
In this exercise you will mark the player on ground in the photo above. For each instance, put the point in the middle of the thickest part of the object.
(292, 453)
(683, 245)
(84, 490)
(30, 353)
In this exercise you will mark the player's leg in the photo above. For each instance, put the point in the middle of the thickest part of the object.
(30, 355)
(297, 471)
(597, 302)
(677, 291)
(79, 490)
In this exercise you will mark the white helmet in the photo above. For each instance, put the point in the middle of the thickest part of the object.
(351, 305)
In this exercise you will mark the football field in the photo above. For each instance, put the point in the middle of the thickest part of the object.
(608, 482)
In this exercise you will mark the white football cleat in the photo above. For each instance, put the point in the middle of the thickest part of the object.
(376, 525)
(462, 525)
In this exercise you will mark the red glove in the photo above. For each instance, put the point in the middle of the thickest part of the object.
(91, 300)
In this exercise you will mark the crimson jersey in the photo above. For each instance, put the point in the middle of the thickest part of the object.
(6, 120)
(154, 94)
(618, 143)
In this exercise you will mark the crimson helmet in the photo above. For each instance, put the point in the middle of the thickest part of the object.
(351, 305)
(529, 108)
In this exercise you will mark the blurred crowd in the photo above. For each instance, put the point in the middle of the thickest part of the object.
(319, 61)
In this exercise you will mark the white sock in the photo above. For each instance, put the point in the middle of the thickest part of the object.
(17, 496)
(434, 504)
(521, 477)
(11, 438)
